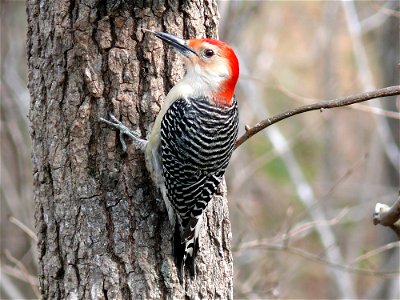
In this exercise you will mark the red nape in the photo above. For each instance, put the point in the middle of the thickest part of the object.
(228, 86)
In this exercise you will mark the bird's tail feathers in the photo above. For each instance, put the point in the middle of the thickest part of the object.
(186, 245)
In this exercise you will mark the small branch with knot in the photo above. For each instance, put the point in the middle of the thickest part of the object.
(339, 102)
(388, 216)
(384, 215)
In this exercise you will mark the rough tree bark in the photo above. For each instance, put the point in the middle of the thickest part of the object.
(102, 227)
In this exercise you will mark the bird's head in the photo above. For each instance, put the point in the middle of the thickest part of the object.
(211, 66)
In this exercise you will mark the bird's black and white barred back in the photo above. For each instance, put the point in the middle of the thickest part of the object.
(197, 141)
(192, 138)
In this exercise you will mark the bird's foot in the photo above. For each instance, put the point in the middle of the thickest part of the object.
(123, 130)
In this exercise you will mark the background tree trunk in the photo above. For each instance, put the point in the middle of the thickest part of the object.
(102, 227)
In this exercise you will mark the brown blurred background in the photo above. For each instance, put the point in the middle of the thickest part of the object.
(302, 192)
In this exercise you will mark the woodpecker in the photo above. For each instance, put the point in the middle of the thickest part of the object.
(192, 139)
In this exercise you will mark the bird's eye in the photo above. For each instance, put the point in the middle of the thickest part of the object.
(208, 52)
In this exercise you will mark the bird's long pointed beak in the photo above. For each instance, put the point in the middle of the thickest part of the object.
(178, 43)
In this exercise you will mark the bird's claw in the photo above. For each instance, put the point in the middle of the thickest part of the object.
(123, 130)
(112, 117)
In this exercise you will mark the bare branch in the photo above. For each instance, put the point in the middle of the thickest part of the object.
(377, 111)
(376, 251)
(339, 102)
(309, 225)
(297, 232)
(28, 277)
(9, 287)
(24, 228)
(17, 273)
(317, 258)
(278, 86)
(388, 216)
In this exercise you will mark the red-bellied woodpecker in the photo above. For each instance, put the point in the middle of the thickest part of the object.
(193, 137)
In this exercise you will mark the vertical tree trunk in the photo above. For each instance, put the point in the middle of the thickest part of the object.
(103, 229)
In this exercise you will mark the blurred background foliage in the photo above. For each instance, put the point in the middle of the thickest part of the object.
(302, 192)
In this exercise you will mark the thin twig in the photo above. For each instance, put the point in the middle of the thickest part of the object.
(307, 100)
(318, 259)
(339, 102)
(309, 225)
(17, 273)
(343, 178)
(9, 287)
(23, 227)
(376, 251)
(377, 111)
(295, 231)
(28, 277)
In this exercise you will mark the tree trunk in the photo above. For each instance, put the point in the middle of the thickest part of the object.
(103, 229)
